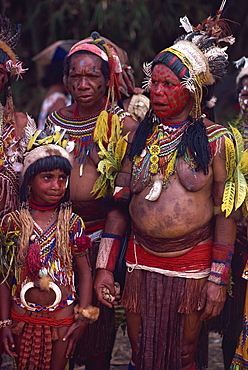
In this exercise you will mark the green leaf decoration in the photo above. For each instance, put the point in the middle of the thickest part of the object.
(240, 188)
(230, 158)
(238, 141)
(243, 163)
(228, 198)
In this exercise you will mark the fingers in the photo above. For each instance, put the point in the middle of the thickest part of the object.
(211, 309)
(69, 332)
(9, 346)
(70, 348)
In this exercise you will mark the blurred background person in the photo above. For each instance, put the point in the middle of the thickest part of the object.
(51, 60)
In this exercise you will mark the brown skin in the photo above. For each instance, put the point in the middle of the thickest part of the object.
(87, 86)
(50, 187)
(184, 206)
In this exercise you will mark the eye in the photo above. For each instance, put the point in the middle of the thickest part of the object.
(47, 177)
(62, 178)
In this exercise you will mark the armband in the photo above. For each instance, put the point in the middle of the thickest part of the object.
(4, 323)
(108, 251)
(89, 314)
(221, 263)
(218, 189)
(121, 193)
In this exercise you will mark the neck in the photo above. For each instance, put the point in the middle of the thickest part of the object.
(42, 206)
(82, 111)
(174, 124)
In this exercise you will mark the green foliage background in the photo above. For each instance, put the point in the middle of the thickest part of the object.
(141, 27)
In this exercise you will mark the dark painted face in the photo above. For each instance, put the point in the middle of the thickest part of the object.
(243, 97)
(3, 77)
(169, 99)
(86, 82)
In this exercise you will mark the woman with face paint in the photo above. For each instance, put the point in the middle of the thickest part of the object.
(12, 123)
(101, 131)
(183, 230)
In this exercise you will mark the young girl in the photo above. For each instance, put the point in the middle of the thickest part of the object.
(40, 243)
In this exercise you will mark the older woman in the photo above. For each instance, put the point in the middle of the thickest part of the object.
(182, 226)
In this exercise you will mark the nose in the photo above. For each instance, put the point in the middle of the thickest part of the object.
(83, 83)
(158, 89)
(56, 184)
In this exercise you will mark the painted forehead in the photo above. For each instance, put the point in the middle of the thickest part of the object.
(163, 72)
(85, 61)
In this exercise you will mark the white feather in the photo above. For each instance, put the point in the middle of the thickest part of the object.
(185, 23)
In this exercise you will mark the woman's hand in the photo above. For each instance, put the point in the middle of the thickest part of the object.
(8, 342)
(73, 334)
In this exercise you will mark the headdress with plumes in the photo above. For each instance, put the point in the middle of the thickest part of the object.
(242, 65)
(201, 58)
(8, 42)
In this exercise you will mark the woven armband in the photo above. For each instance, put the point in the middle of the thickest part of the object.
(221, 263)
(121, 193)
(108, 251)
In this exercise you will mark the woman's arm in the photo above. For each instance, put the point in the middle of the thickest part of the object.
(214, 292)
(85, 286)
(7, 337)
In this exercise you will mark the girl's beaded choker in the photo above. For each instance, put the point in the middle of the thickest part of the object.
(42, 206)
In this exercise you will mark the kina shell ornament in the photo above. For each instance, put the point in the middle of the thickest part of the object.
(156, 188)
(30, 285)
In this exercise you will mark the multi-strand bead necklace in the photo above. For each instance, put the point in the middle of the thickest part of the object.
(160, 152)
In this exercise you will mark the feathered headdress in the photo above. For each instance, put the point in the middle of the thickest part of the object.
(8, 42)
(202, 50)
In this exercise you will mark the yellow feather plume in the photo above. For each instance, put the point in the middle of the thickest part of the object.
(101, 129)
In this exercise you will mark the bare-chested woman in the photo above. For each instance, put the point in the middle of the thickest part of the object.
(88, 76)
(179, 255)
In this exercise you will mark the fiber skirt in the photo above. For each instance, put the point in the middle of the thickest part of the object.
(162, 301)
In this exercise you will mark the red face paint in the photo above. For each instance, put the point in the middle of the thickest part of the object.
(49, 187)
(169, 99)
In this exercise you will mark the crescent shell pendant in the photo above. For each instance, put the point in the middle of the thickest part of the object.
(30, 285)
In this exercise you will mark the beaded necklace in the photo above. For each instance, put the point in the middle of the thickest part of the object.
(80, 129)
(42, 206)
(160, 153)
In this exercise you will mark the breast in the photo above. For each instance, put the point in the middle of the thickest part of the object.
(83, 180)
(191, 179)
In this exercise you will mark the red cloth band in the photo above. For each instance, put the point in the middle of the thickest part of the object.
(198, 258)
(42, 320)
